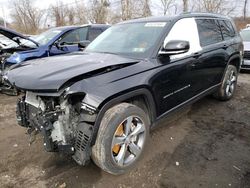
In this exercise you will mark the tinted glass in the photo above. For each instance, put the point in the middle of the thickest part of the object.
(75, 36)
(227, 29)
(93, 33)
(209, 31)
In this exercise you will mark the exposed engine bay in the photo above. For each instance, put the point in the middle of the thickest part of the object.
(3, 56)
(65, 124)
(5, 53)
(11, 43)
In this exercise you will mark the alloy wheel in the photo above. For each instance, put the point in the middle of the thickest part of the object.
(128, 141)
(230, 84)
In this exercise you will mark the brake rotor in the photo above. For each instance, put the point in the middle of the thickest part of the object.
(119, 132)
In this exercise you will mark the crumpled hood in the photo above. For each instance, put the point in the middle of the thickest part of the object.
(246, 46)
(51, 73)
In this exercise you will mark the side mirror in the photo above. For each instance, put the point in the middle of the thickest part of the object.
(175, 47)
(57, 44)
(60, 45)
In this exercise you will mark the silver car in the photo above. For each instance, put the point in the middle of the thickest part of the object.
(245, 34)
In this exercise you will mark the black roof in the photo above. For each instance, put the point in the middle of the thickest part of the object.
(177, 17)
(100, 25)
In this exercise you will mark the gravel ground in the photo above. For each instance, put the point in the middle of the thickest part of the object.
(205, 145)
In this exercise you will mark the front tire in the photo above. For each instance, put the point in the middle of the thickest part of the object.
(121, 139)
(229, 84)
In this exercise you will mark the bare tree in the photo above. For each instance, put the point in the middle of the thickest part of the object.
(146, 9)
(58, 12)
(63, 14)
(185, 5)
(245, 9)
(98, 11)
(80, 12)
(167, 4)
(134, 9)
(216, 6)
(126, 11)
(26, 17)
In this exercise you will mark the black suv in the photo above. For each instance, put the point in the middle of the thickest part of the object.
(101, 103)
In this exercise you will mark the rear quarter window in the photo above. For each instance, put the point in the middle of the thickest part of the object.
(209, 31)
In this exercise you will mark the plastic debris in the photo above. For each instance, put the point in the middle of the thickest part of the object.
(62, 185)
(15, 145)
(237, 168)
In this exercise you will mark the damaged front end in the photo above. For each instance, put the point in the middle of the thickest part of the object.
(65, 124)
(5, 87)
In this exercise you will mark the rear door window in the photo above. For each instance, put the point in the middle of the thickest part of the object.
(75, 36)
(209, 32)
(227, 29)
(93, 33)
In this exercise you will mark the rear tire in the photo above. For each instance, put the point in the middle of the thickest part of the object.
(229, 84)
(121, 138)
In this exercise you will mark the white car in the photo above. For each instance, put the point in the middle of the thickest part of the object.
(4, 41)
(245, 34)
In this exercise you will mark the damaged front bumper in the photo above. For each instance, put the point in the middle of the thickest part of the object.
(64, 129)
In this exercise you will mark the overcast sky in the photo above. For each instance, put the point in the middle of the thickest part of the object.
(6, 6)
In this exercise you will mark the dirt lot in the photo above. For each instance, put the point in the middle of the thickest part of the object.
(206, 145)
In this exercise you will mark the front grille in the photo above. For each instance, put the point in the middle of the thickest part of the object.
(246, 54)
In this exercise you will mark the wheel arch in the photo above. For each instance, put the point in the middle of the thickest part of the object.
(235, 60)
(141, 97)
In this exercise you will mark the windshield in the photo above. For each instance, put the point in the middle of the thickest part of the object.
(245, 34)
(133, 39)
(46, 36)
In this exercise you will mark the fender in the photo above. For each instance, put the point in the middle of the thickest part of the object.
(105, 105)
(231, 59)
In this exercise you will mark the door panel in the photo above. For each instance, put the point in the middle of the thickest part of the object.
(212, 60)
(173, 83)
(176, 81)
(209, 68)
(65, 49)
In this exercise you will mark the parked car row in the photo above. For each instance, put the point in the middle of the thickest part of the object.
(55, 41)
(101, 103)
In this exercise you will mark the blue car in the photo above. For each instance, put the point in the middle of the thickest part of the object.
(55, 41)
